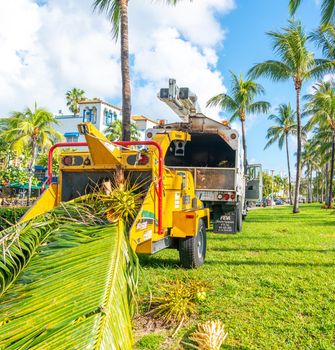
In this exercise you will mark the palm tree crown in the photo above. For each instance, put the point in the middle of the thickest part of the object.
(30, 129)
(114, 131)
(73, 97)
(240, 102)
(285, 125)
(327, 9)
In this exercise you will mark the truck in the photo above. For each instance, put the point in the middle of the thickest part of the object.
(214, 156)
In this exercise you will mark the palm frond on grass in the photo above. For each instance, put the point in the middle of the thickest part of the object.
(75, 293)
(19, 242)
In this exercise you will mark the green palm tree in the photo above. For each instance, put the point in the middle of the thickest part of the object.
(240, 102)
(73, 97)
(30, 129)
(321, 107)
(285, 125)
(327, 9)
(324, 38)
(295, 63)
(114, 131)
(117, 12)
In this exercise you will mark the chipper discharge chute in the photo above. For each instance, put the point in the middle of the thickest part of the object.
(67, 270)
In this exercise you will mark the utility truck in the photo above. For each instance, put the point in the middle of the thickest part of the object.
(214, 156)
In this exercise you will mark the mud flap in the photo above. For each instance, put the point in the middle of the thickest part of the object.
(226, 224)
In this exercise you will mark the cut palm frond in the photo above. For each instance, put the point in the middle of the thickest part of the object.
(177, 300)
(209, 335)
(74, 294)
(18, 243)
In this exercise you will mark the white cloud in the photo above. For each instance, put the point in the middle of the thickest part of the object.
(49, 49)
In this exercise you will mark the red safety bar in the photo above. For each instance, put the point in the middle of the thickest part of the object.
(125, 144)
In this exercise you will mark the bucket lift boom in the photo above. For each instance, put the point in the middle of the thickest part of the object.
(181, 100)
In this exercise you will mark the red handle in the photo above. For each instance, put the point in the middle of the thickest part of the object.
(120, 143)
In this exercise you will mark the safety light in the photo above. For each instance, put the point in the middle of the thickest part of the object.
(67, 160)
(220, 196)
(225, 122)
(233, 136)
(144, 160)
(226, 197)
(189, 216)
(149, 135)
(233, 196)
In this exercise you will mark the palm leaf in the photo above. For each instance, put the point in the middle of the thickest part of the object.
(72, 278)
(74, 294)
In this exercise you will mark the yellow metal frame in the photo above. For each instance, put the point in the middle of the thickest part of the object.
(182, 209)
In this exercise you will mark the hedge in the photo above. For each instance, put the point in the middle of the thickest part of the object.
(10, 215)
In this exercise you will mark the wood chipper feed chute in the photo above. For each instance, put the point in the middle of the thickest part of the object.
(168, 198)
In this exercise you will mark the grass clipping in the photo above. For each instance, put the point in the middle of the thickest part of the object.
(67, 276)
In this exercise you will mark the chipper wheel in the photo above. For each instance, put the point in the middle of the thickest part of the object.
(192, 250)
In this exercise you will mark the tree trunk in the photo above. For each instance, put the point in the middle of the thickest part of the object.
(125, 72)
(309, 185)
(298, 172)
(330, 195)
(31, 170)
(289, 170)
(327, 184)
(322, 186)
(244, 143)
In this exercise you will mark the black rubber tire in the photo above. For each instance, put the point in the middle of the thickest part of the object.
(239, 219)
(192, 250)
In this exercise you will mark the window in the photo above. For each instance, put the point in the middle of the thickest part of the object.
(109, 117)
(90, 115)
(72, 136)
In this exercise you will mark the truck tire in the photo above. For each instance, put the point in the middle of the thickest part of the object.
(192, 250)
(239, 218)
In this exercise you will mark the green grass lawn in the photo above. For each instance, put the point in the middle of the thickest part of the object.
(273, 285)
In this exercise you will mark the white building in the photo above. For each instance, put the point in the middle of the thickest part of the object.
(142, 124)
(100, 114)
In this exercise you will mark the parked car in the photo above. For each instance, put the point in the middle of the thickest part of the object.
(279, 201)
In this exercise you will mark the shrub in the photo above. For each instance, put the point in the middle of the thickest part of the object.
(9, 216)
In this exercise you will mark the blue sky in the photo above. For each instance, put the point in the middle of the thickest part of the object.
(55, 45)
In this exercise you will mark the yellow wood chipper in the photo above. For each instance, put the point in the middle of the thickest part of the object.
(171, 215)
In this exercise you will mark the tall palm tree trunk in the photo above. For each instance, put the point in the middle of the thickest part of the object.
(309, 184)
(327, 183)
(244, 144)
(31, 170)
(322, 186)
(298, 173)
(330, 195)
(126, 90)
(289, 170)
